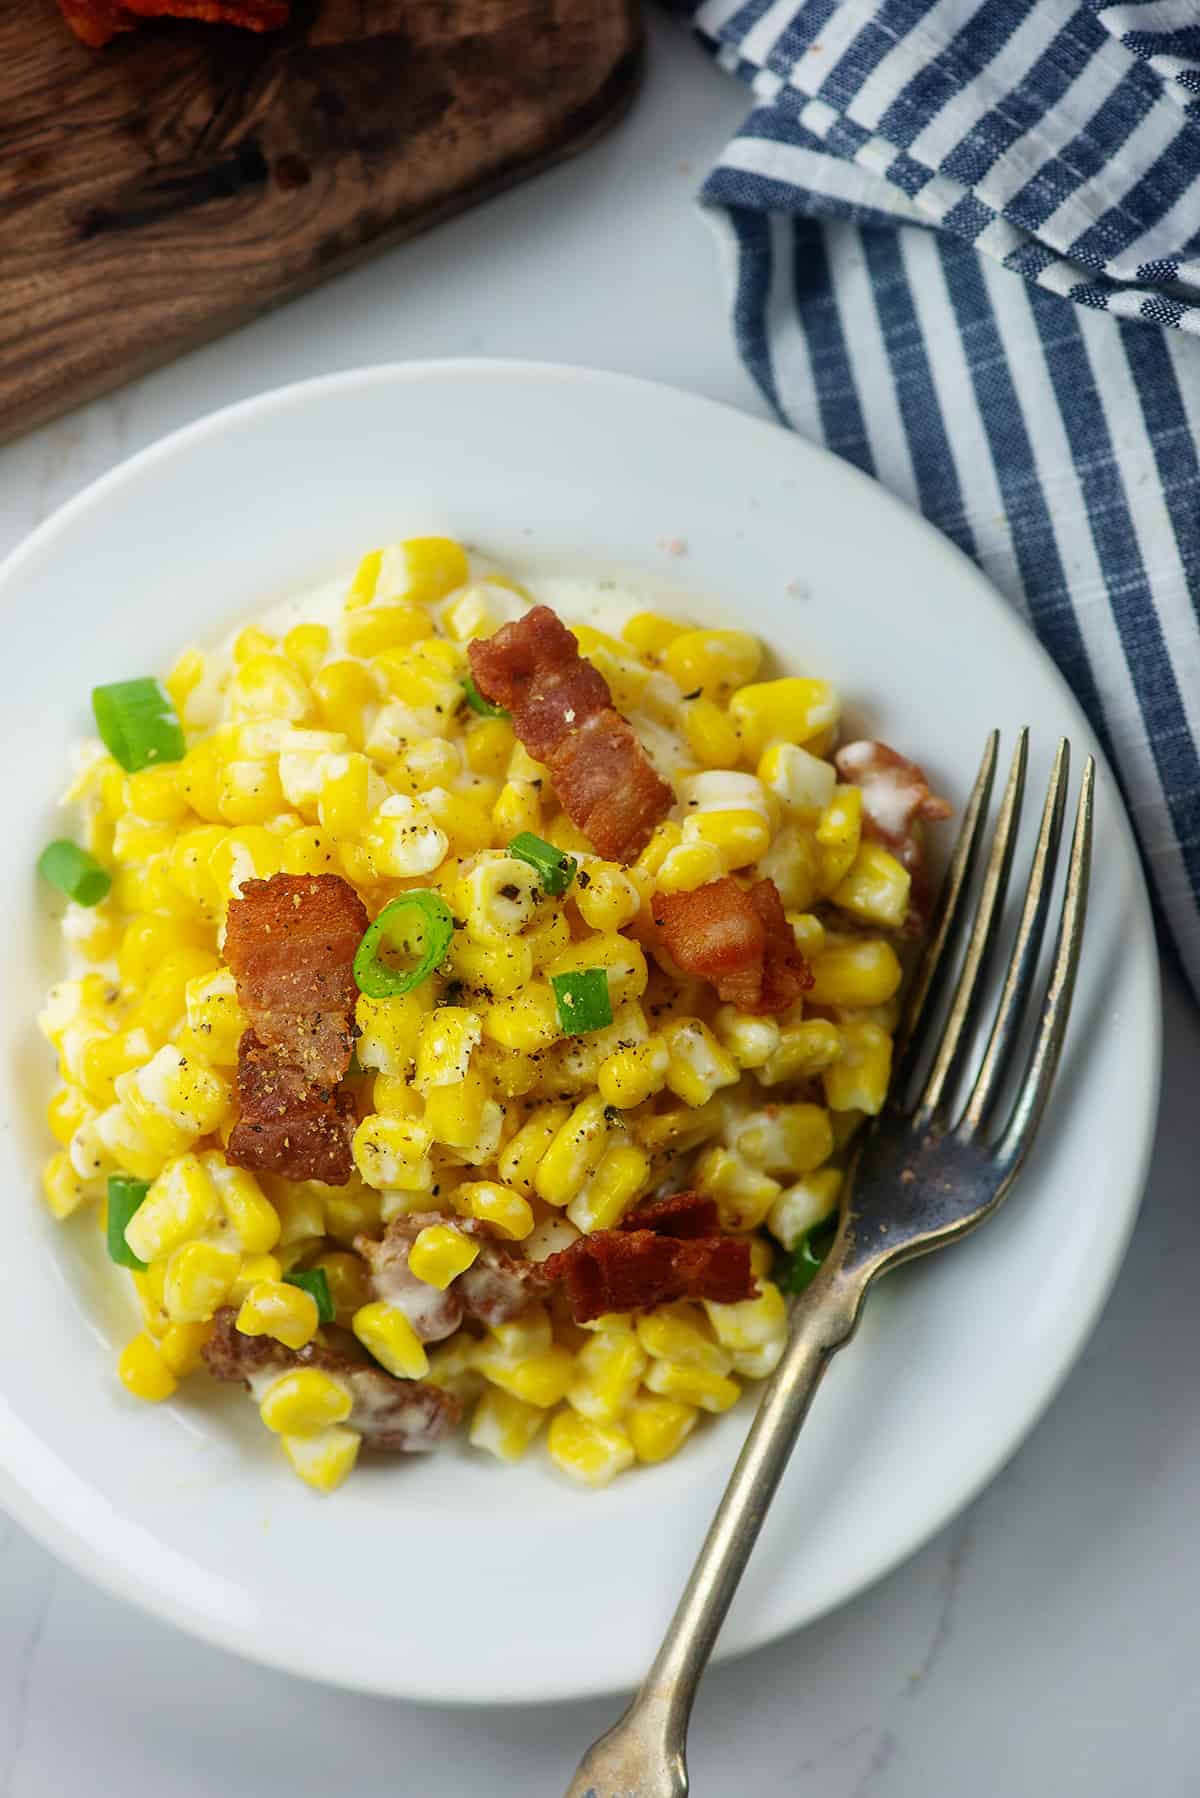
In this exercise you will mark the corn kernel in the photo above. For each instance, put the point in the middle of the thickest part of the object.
(697, 1065)
(710, 734)
(389, 1030)
(352, 1210)
(215, 1018)
(501, 894)
(287, 1313)
(519, 1159)
(574, 1154)
(180, 1205)
(800, 1208)
(753, 1323)
(541, 1378)
(393, 1152)
(183, 680)
(66, 1111)
(744, 1193)
(786, 1139)
(343, 692)
(378, 628)
(149, 1288)
(255, 1270)
(300, 1208)
(547, 937)
(740, 837)
(444, 1044)
(267, 686)
(714, 661)
(465, 1118)
(804, 1049)
(680, 1333)
(623, 961)
(606, 897)
(307, 645)
(650, 633)
(659, 1427)
(607, 1371)
(531, 1333)
(801, 781)
(792, 710)
(426, 569)
(503, 1425)
(488, 743)
(63, 1189)
(304, 1402)
(452, 1367)
(366, 579)
(838, 834)
(440, 1253)
(143, 1371)
(387, 1334)
(252, 1217)
(528, 1021)
(347, 1279)
(858, 1080)
(323, 1461)
(679, 1128)
(182, 1347)
(493, 970)
(855, 971)
(634, 1074)
(666, 836)
(592, 1453)
(616, 1183)
(876, 888)
(502, 1209)
(518, 808)
(692, 1385)
(198, 1281)
(175, 1089)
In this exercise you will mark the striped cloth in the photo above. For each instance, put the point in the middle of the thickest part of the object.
(1023, 368)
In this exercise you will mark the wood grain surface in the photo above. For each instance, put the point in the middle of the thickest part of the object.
(174, 184)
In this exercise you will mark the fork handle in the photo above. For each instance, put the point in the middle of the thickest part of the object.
(644, 1754)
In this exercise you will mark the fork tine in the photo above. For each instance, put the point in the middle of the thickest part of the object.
(1023, 961)
(969, 988)
(1022, 1126)
(931, 974)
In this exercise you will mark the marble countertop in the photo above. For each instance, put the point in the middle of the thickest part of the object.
(1045, 1642)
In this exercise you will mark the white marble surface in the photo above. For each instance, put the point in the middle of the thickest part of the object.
(1044, 1643)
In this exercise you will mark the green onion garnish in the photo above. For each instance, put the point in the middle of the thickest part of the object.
(137, 723)
(479, 704)
(582, 1000)
(555, 869)
(419, 925)
(315, 1281)
(799, 1269)
(124, 1197)
(75, 872)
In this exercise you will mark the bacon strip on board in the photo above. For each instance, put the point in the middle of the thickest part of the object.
(897, 801)
(653, 1258)
(563, 713)
(290, 942)
(739, 939)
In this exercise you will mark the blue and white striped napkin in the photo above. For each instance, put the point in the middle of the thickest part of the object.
(965, 240)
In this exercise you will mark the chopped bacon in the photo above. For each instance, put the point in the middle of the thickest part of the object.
(96, 21)
(563, 713)
(397, 1416)
(633, 1270)
(290, 942)
(737, 937)
(495, 1288)
(680, 1214)
(897, 801)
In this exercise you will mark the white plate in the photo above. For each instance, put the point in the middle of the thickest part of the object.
(449, 1577)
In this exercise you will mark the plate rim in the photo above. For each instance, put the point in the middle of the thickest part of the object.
(59, 1535)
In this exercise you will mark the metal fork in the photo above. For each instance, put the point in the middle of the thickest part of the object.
(922, 1177)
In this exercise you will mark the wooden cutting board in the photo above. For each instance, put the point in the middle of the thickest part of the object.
(172, 185)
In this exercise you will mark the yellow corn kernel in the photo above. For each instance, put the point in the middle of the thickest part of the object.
(876, 889)
(651, 634)
(403, 839)
(808, 931)
(176, 1089)
(547, 937)
(162, 1003)
(616, 1183)
(250, 792)
(714, 661)
(710, 734)
(838, 834)
(752, 1324)
(680, 1333)
(308, 851)
(136, 842)
(606, 897)
(697, 1065)
(352, 1210)
(248, 853)
(63, 1189)
(215, 1018)
(452, 1367)
(304, 1402)
(858, 1080)
(267, 686)
(103, 1058)
(607, 1371)
(502, 1209)
(113, 1142)
(518, 808)
(680, 1127)
(592, 1453)
(149, 1288)
(389, 1030)
(440, 1253)
(519, 1159)
(387, 1334)
(800, 1208)
(424, 677)
(744, 1193)
(144, 1372)
(740, 837)
(93, 931)
(692, 864)
(323, 1461)
(749, 1041)
(634, 1074)
(855, 971)
(529, 1334)
(786, 1139)
(540, 1379)
(429, 568)
(179, 1206)
(574, 1154)
(488, 744)
(347, 1279)
(343, 692)
(804, 1049)
(503, 1425)
(801, 781)
(300, 1208)
(286, 1313)
(182, 1347)
(255, 1270)
(378, 628)
(394, 1094)
(155, 794)
(623, 961)
(692, 1385)
(252, 1217)
(528, 1021)
(343, 804)
(491, 970)
(465, 1118)
(444, 1044)
(792, 710)
(393, 1152)
(510, 1074)
(366, 579)
(198, 1281)
(501, 894)
(659, 1427)
(183, 680)
(66, 1111)
(307, 645)
(252, 641)
(199, 773)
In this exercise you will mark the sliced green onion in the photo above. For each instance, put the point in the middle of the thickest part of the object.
(420, 925)
(315, 1281)
(479, 704)
(137, 724)
(554, 868)
(74, 872)
(799, 1269)
(582, 1000)
(124, 1197)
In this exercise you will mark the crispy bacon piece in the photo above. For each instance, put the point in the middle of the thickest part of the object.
(680, 1214)
(496, 1287)
(290, 942)
(397, 1416)
(633, 1270)
(563, 713)
(896, 803)
(96, 21)
(737, 937)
